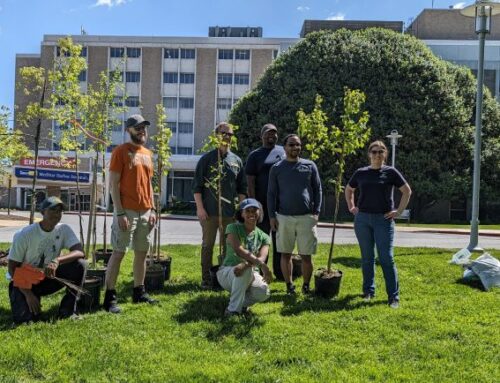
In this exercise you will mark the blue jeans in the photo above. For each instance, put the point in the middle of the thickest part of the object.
(374, 230)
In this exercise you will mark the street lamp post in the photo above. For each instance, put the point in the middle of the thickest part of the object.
(393, 137)
(481, 10)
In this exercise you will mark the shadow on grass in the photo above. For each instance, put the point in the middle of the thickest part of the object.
(477, 285)
(211, 308)
(177, 287)
(314, 303)
(348, 262)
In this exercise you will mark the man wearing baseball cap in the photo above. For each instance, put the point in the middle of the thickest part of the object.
(40, 245)
(131, 172)
(258, 165)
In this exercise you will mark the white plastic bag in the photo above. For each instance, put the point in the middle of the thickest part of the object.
(461, 257)
(488, 270)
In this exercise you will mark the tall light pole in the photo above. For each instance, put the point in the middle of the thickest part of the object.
(481, 10)
(393, 137)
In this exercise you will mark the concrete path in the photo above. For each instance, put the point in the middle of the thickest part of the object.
(186, 230)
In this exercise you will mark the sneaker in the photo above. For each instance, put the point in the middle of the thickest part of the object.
(141, 296)
(290, 289)
(368, 297)
(206, 285)
(394, 304)
(306, 290)
(228, 314)
(245, 311)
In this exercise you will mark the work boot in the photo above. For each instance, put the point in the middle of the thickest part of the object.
(140, 296)
(110, 303)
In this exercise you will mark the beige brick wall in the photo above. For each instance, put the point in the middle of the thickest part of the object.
(151, 83)
(97, 62)
(449, 24)
(20, 99)
(261, 58)
(205, 95)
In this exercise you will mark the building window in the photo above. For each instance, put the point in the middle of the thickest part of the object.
(242, 54)
(172, 125)
(185, 127)
(116, 52)
(186, 102)
(225, 54)
(188, 54)
(170, 102)
(133, 52)
(171, 53)
(223, 103)
(275, 54)
(82, 77)
(133, 76)
(83, 52)
(170, 77)
(187, 78)
(132, 101)
(117, 128)
(184, 150)
(117, 101)
(224, 78)
(241, 79)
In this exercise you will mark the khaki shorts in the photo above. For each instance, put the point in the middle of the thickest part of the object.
(296, 228)
(138, 235)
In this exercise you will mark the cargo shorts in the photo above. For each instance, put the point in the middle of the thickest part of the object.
(296, 228)
(138, 235)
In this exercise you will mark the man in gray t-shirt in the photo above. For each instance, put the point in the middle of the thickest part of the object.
(294, 203)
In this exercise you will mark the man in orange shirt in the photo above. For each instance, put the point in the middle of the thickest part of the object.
(131, 171)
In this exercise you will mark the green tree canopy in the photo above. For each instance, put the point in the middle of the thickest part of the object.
(428, 100)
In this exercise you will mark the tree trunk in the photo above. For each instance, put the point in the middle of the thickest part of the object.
(338, 189)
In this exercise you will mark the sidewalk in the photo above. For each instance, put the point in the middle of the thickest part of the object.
(20, 218)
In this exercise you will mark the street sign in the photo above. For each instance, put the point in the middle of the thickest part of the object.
(52, 175)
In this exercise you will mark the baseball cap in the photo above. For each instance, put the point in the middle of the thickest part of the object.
(249, 202)
(266, 128)
(51, 202)
(136, 120)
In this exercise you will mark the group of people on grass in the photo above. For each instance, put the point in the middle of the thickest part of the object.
(280, 198)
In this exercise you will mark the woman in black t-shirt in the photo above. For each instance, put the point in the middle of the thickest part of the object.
(374, 216)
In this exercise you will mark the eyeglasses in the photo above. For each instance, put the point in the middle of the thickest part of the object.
(377, 152)
(227, 134)
(140, 128)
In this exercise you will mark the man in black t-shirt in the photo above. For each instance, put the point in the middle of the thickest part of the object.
(257, 169)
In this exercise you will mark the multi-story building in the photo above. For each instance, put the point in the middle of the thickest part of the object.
(197, 79)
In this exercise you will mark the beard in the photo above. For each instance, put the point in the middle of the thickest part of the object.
(137, 140)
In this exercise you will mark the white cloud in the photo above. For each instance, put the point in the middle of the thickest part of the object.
(459, 5)
(336, 16)
(303, 8)
(109, 3)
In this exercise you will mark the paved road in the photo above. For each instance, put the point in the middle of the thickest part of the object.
(189, 232)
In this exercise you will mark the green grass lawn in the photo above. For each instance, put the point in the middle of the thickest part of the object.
(444, 331)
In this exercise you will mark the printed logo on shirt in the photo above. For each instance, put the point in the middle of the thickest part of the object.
(136, 159)
(303, 169)
(234, 166)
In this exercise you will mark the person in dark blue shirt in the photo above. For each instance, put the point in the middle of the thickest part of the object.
(294, 203)
(257, 169)
(374, 215)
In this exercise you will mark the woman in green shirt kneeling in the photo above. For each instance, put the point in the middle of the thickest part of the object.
(247, 248)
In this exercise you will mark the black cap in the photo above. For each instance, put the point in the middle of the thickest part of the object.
(266, 128)
(136, 120)
(51, 202)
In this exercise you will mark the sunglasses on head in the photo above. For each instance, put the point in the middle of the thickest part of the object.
(377, 151)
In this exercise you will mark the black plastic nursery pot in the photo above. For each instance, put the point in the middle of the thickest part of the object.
(327, 285)
(166, 263)
(98, 273)
(104, 256)
(90, 300)
(297, 266)
(155, 277)
(213, 278)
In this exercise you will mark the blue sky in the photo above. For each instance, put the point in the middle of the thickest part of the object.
(24, 22)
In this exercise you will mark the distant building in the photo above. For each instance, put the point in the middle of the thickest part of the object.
(197, 79)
